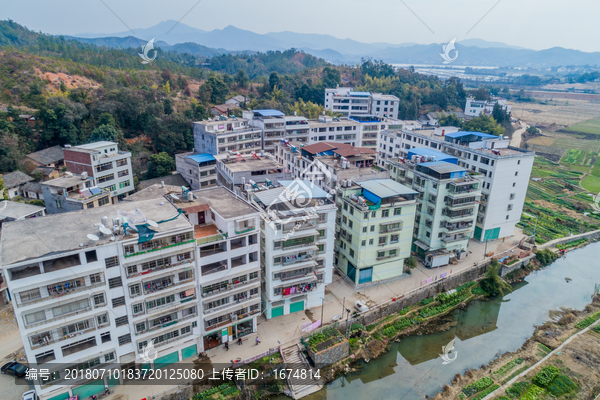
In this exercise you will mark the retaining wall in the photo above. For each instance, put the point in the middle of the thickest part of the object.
(507, 269)
(331, 354)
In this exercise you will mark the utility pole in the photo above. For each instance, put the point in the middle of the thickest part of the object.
(322, 307)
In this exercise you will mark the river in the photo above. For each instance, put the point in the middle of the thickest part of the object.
(484, 330)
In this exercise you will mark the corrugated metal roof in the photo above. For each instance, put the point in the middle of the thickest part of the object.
(467, 133)
(385, 187)
(439, 156)
(269, 113)
(359, 93)
(443, 167)
(200, 158)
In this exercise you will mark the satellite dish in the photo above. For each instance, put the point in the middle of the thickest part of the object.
(93, 237)
(174, 196)
(105, 230)
(152, 223)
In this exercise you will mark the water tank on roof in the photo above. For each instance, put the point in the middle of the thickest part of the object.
(104, 221)
(84, 176)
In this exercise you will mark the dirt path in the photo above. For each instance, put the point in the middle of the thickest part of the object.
(515, 140)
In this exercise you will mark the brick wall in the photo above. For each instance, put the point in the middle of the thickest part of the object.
(78, 162)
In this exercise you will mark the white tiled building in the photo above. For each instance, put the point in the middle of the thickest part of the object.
(350, 103)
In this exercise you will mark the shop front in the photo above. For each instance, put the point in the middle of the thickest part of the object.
(212, 340)
(242, 329)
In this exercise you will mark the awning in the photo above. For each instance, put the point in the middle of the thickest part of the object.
(420, 244)
(189, 292)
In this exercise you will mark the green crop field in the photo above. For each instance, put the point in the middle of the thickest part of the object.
(579, 144)
(590, 126)
(579, 157)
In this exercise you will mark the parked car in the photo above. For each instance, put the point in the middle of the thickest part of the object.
(14, 368)
(29, 395)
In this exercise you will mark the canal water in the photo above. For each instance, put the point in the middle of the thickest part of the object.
(484, 330)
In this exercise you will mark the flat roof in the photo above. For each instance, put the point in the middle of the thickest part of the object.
(16, 210)
(385, 187)
(153, 192)
(219, 121)
(224, 202)
(66, 181)
(467, 133)
(359, 93)
(425, 151)
(287, 191)
(252, 164)
(37, 237)
(443, 167)
(269, 113)
(95, 145)
(200, 158)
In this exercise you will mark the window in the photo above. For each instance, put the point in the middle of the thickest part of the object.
(95, 278)
(372, 228)
(352, 253)
(186, 329)
(397, 211)
(135, 290)
(140, 327)
(428, 234)
(106, 178)
(102, 319)
(103, 201)
(131, 270)
(507, 217)
(99, 300)
(380, 254)
(385, 213)
(35, 317)
(370, 242)
(138, 308)
(510, 207)
(364, 229)
(373, 214)
(124, 339)
(115, 282)
(514, 184)
(124, 184)
(119, 301)
(518, 162)
(91, 256)
(382, 240)
(29, 295)
(350, 224)
(58, 203)
(363, 243)
(90, 205)
(516, 173)
(111, 261)
(394, 239)
(110, 356)
(121, 320)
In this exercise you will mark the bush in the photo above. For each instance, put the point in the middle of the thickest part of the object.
(546, 256)
(427, 301)
(356, 327)
(534, 393)
(353, 342)
(517, 389)
(588, 321)
(545, 376)
(478, 386)
(493, 283)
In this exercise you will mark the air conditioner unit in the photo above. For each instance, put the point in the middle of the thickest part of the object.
(234, 318)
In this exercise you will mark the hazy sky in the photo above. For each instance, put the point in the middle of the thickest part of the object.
(536, 24)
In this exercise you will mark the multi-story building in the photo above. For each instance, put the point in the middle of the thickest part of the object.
(474, 108)
(74, 192)
(223, 135)
(233, 172)
(333, 129)
(110, 167)
(374, 230)
(447, 202)
(227, 252)
(372, 126)
(296, 244)
(505, 171)
(200, 170)
(346, 101)
(272, 125)
(329, 164)
(86, 296)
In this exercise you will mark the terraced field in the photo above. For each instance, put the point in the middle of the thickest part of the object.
(591, 126)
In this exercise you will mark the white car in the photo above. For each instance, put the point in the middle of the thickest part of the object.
(29, 395)
(361, 306)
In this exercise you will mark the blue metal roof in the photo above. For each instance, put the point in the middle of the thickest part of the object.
(200, 158)
(439, 156)
(466, 133)
(269, 113)
(359, 94)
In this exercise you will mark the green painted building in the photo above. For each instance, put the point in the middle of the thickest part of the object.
(374, 229)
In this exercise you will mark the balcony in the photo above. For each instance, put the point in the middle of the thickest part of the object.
(456, 215)
(207, 234)
(177, 299)
(458, 226)
(243, 228)
(55, 291)
(227, 319)
(212, 249)
(454, 238)
(297, 289)
(62, 333)
(390, 227)
(154, 266)
(467, 185)
(212, 268)
(288, 261)
(387, 257)
(462, 202)
(299, 227)
(229, 287)
(159, 284)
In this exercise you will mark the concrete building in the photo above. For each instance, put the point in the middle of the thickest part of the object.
(328, 164)
(447, 203)
(200, 170)
(474, 108)
(110, 167)
(332, 129)
(85, 298)
(223, 135)
(226, 235)
(73, 193)
(374, 230)
(346, 101)
(15, 211)
(297, 240)
(233, 172)
(505, 171)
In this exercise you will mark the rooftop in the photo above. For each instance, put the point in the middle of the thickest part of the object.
(427, 152)
(48, 156)
(220, 200)
(443, 167)
(220, 121)
(16, 210)
(35, 187)
(289, 195)
(45, 171)
(466, 133)
(268, 113)
(385, 188)
(171, 180)
(252, 164)
(37, 237)
(16, 178)
(95, 145)
(200, 158)
(66, 181)
(153, 192)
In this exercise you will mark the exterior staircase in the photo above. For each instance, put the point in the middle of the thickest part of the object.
(299, 387)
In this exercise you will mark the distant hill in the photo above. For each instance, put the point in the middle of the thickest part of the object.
(476, 52)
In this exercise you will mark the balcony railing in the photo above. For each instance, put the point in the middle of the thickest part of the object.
(240, 230)
(59, 334)
(454, 238)
(46, 295)
(159, 268)
(458, 227)
(211, 238)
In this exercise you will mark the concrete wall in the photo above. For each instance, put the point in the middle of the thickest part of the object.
(331, 354)
(507, 269)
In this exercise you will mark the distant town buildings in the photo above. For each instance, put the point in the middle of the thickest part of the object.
(474, 108)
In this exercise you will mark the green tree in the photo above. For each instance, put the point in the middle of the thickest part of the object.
(331, 77)
(500, 114)
(484, 124)
(218, 89)
(3, 191)
(410, 262)
(493, 284)
(161, 164)
(450, 120)
(168, 106)
(242, 79)
(105, 133)
(273, 80)
(481, 94)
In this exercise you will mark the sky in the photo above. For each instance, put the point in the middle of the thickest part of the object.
(534, 24)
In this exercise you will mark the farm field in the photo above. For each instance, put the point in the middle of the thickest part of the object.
(560, 112)
(590, 126)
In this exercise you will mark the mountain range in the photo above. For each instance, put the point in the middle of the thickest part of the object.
(174, 36)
